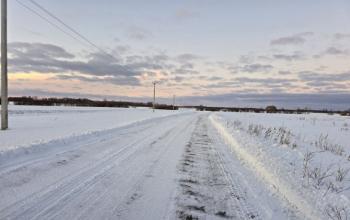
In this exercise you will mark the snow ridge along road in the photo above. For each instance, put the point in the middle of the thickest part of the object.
(173, 167)
(281, 187)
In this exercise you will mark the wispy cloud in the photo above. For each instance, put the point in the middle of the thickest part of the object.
(138, 33)
(296, 39)
(256, 67)
(341, 36)
(289, 57)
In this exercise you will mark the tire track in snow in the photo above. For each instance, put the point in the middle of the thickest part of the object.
(206, 189)
(46, 201)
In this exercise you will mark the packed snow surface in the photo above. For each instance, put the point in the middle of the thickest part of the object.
(110, 163)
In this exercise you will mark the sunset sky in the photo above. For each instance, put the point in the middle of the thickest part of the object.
(242, 52)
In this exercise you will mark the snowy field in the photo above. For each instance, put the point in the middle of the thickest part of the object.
(110, 163)
(36, 125)
(306, 158)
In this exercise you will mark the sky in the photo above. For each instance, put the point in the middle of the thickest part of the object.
(229, 53)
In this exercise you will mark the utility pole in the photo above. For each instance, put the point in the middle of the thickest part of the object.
(154, 95)
(174, 102)
(4, 91)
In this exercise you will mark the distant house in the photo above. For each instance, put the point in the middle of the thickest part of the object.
(271, 109)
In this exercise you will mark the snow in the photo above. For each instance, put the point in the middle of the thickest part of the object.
(35, 125)
(110, 163)
(276, 146)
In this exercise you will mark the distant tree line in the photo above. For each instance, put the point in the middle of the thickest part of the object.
(269, 109)
(28, 100)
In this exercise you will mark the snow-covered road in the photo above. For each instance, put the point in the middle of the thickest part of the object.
(173, 167)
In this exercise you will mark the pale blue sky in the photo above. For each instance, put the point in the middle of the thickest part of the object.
(238, 42)
(211, 28)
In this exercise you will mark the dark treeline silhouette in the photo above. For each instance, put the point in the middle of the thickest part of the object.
(268, 109)
(83, 102)
(28, 100)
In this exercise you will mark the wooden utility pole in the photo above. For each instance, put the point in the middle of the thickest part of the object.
(4, 83)
(154, 95)
(174, 102)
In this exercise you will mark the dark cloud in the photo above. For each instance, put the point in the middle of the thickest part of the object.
(38, 50)
(265, 82)
(246, 59)
(97, 66)
(264, 58)
(292, 40)
(341, 36)
(256, 67)
(215, 78)
(186, 57)
(326, 82)
(283, 72)
(223, 84)
(184, 71)
(289, 57)
(336, 51)
(187, 66)
(47, 58)
(318, 77)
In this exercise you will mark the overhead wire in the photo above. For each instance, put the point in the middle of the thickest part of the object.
(50, 22)
(84, 40)
(69, 27)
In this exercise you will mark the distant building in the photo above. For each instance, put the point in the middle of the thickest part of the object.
(271, 109)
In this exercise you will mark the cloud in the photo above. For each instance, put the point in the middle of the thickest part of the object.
(186, 57)
(336, 51)
(246, 59)
(38, 50)
(256, 67)
(309, 76)
(99, 67)
(284, 73)
(184, 14)
(184, 71)
(341, 36)
(296, 39)
(289, 57)
(266, 82)
(130, 70)
(138, 33)
(118, 80)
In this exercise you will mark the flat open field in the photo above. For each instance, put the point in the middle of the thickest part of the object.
(106, 163)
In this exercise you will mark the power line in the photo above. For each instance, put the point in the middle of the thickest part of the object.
(50, 22)
(70, 28)
(81, 36)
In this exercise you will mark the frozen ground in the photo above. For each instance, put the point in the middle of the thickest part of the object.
(92, 163)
